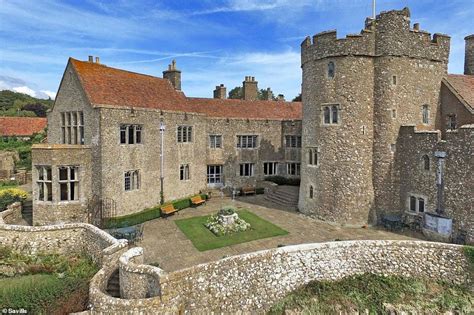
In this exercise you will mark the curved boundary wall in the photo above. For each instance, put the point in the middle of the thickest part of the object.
(254, 282)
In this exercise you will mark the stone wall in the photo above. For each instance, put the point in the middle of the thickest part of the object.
(12, 213)
(451, 105)
(415, 180)
(253, 282)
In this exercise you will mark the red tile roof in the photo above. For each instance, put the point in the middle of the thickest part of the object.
(464, 87)
(109, 86)
(21, 126)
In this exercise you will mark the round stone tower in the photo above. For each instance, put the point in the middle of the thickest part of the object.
(469, 55)
(375, 81)
(337, 93)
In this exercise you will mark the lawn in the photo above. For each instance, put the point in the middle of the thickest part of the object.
(203, 239)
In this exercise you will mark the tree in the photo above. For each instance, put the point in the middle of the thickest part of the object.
(38, 108)
(297, 98)
(236, 93)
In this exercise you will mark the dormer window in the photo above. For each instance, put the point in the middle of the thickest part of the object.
(331, 70)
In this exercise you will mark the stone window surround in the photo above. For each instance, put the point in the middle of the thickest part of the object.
(313, 155)
(425, 162)
(274, 168)
(417, 205)
(297, 168)
(216, 136)
(425, 114)
(251, 169)
(394, 80)
(184, 172)
(137, 132)
(311, 191)
(330, 106)
(451, 121)
(72, 127)
(331, 70)
(69, 182)
(46, 182)
(133, 180)
(186, 134)
(256, 141)
(292, 141)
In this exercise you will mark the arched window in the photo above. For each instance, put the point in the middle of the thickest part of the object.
(311, 192)
(335, 114)
(426, 162)
(425, 114)
(327, 115)
(331, 70)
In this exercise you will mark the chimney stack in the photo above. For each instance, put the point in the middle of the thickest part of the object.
(416, 27)
(269, 96)
(249, 90)
(91, 59)
(220, 92)
(281, 98)
(469, 55)
(97, 60)
(174, 75)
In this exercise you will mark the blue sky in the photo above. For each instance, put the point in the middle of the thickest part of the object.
(213, 41)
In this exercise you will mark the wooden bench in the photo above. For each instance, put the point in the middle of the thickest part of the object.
(168, 209)
(197, 200)
(249, 190)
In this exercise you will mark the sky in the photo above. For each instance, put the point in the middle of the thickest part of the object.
(212, 41)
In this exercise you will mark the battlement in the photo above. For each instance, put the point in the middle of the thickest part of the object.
(387, 35)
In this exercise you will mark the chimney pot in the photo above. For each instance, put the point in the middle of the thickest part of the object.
(97, 60)
(91, 58)
(173, 75)
(416, 26)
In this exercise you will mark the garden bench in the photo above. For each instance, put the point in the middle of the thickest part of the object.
(168, 209)
(249, 190)
(197, 200)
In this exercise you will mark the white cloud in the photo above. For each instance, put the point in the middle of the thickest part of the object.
(49, 94)
(24, 90)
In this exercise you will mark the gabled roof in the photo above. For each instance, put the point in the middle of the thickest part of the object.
(462, 86)
(21, 126)
(104, 85)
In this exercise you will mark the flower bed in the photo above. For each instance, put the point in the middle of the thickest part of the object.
(226, 222)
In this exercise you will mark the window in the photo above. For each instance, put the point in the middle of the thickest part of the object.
(451, 122)
(132, 180)
(313, 156)
(185, 134)
(184, 172)
(214, 174)
(293, 141)
(311, 192)
(393, 148)
(246, 169)
(417, 203)
(394, 113)
(331, 70)
(270, 168)
(247, 142)
(130, 134)
(331, 114)
(215, 141)
(44, 183)
(425, 112)
(293, 169)
(394, 80)
(426, 162)
(68, 183)
(72, 127)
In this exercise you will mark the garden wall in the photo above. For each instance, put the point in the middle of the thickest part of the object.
(254, 282)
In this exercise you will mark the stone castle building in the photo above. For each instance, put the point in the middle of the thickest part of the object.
(377, 108)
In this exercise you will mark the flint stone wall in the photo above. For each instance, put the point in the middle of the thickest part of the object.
(12, 213)
(254, 282)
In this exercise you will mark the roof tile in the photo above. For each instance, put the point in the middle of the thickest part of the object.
(21, 126)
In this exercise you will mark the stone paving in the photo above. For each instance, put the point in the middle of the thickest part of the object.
(165, 244)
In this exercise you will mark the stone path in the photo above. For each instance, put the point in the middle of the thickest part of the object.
(165, 244)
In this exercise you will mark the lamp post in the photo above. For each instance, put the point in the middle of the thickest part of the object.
(162, 160)
(441, 155)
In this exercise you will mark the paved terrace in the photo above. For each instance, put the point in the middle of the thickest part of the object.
(165, 244)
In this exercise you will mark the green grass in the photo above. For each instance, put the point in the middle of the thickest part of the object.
(370, 292)
(203, 239)
(8, 187)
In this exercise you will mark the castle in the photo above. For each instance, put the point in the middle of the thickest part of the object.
(379, 116)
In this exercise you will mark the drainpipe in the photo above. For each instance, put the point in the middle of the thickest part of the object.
(441, 155)
(162, 160)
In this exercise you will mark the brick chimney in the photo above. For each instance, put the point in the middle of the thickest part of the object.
(174, 75)
(469, 55)
(220, 92)
(249, 90)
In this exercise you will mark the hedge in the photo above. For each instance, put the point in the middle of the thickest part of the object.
(146, 215)
(280, 180)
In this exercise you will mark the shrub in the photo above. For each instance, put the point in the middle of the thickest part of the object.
(4, 183)
(227, 210)
(260, 190)
(280, 180)
(11, 195)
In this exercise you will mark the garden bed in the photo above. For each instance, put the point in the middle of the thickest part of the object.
(203, 239)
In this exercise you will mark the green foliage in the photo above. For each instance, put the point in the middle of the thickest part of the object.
(203, 239)
(13, 103)
(46, 280)
(23, 148)
(469, 253)
(146, 215)
(280, 180)
(260, 190)
(297, 98)
(236, 93)
(227, 210)
(369, 291)
(11, 195)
